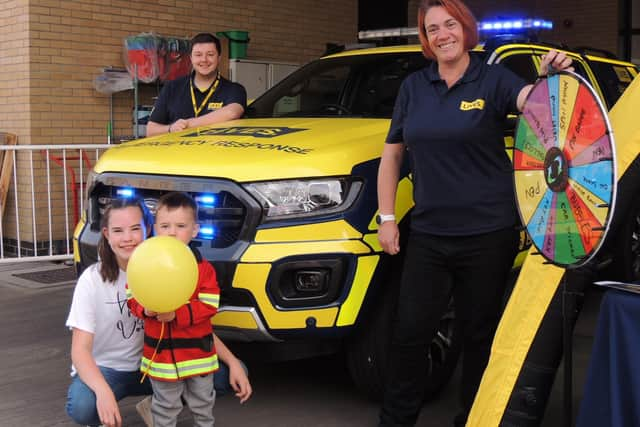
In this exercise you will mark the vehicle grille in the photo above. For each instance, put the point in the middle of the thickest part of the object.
(225, 218)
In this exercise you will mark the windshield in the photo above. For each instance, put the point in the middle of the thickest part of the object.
(350, 86)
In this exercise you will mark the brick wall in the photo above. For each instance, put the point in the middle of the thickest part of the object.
(14, 67)
(14, 84)
(73, 40)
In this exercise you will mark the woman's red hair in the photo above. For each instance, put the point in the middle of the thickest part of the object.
(460, 12)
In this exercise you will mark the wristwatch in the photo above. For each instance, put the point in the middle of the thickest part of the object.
(381, 218)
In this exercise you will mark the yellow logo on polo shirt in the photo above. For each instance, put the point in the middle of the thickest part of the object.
(478, 104)
(214, 105)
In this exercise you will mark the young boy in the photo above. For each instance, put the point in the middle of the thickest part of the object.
(185, 356)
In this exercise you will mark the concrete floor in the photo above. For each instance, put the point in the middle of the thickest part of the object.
(34, 367)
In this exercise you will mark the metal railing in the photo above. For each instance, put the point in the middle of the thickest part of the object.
(44, 199)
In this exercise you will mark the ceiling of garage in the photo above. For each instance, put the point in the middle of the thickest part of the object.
(376, 14)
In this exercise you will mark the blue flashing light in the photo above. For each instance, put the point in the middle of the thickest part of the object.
(206, 200)
(514, 24)
(125, 193)
(207, 232)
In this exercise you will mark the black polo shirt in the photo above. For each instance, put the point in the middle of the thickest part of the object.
(463, 182)
(175, 101)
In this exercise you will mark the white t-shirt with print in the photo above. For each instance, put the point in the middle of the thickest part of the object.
(101, 309)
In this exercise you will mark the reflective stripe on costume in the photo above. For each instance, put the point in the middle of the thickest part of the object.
(211, 299)
(187, 340)
(187, 368)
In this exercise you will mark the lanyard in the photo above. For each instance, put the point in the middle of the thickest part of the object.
(197, 109)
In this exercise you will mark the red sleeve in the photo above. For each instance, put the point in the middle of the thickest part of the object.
(133, 304)
(204, 301)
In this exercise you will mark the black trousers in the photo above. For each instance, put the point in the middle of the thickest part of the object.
(472, 269)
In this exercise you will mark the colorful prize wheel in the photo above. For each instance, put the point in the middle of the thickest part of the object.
(565, 169)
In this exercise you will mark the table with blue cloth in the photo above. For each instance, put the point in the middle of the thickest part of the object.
(612, 390)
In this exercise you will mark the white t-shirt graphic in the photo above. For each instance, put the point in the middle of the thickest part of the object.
(101, 309)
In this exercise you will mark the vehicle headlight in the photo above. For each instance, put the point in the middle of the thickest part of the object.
(301, 198)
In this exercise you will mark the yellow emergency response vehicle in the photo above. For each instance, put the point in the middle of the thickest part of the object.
(287, 203)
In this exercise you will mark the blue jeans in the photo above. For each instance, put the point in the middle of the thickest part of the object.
(81, 400)
(221, 379)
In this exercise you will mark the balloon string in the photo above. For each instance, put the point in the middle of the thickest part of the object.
(154, 354)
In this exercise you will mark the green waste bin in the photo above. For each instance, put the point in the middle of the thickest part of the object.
(238, 41)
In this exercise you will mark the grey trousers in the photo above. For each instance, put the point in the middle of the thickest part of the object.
(197, 392)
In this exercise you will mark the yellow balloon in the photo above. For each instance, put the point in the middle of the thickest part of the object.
(162, 273)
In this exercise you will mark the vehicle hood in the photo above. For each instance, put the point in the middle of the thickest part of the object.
(254, 149)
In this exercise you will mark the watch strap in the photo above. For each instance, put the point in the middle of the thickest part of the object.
(384, 218)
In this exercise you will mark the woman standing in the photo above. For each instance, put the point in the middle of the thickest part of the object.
(450, 118)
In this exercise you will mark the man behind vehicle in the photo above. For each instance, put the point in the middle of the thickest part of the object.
(202, 98)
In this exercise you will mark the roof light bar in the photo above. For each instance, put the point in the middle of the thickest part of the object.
(387, 32)
(492, 25)
(515, 24)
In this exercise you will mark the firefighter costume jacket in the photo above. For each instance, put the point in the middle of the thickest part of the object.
(186, 346)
